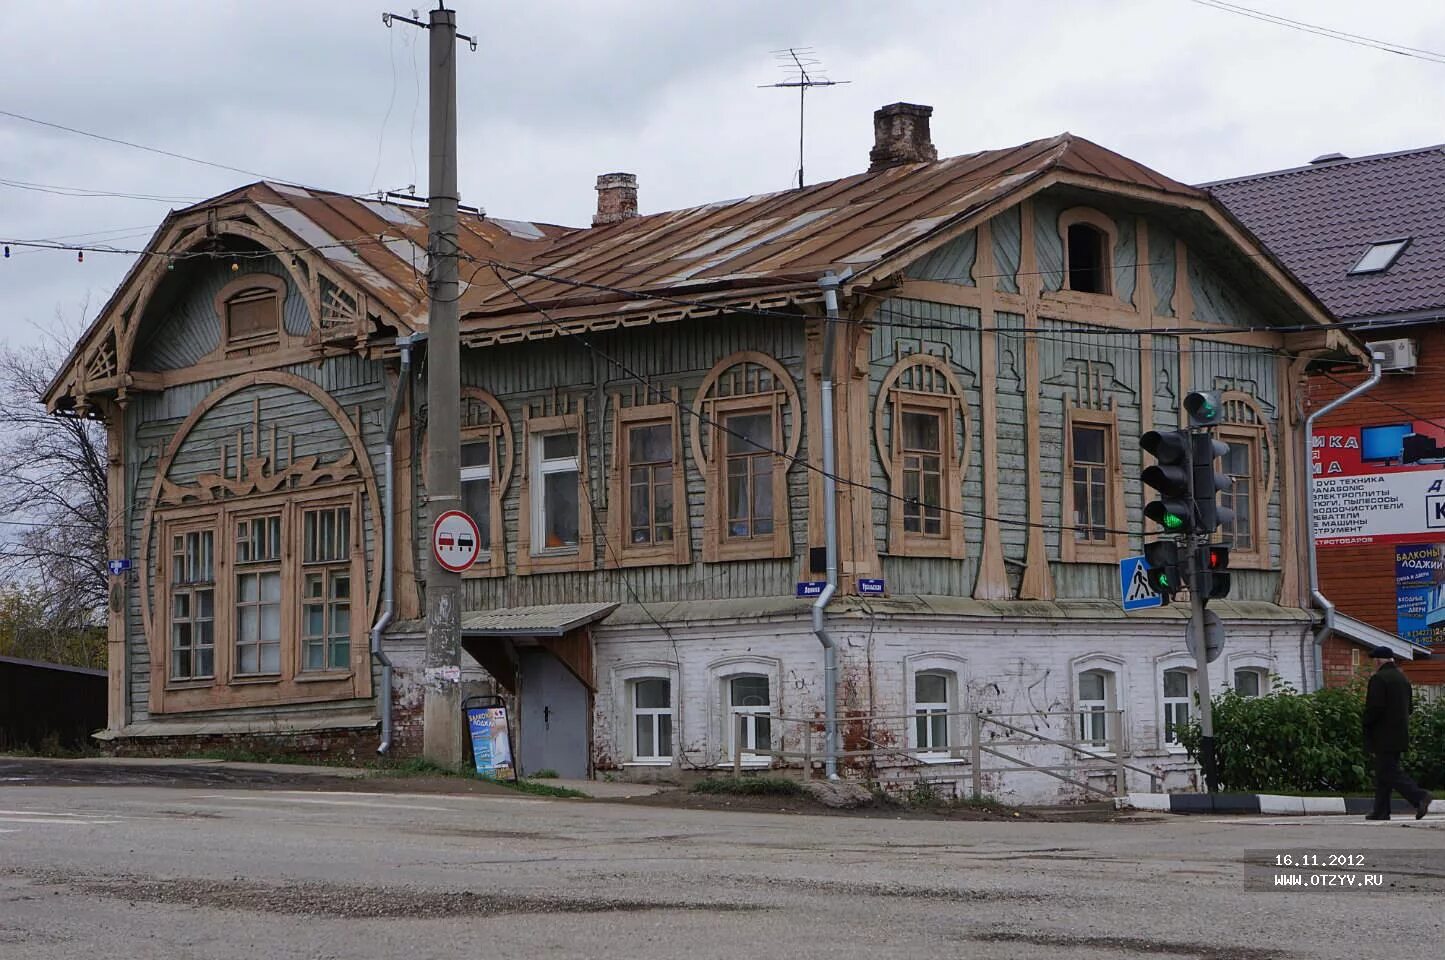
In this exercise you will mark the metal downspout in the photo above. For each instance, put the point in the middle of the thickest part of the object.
(1320, 600)
(388, 540)
(829, 282)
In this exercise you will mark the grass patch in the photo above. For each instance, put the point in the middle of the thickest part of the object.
(412, 767)
(540, 789)
(545, 775)
(749, 786)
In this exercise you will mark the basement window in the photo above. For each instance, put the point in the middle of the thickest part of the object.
(1380, 256)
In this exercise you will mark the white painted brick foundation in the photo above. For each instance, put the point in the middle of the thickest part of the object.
(1007, 666)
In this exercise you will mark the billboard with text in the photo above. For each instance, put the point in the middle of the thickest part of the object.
(1378, 483)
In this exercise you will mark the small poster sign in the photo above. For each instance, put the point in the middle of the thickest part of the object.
(491, 742)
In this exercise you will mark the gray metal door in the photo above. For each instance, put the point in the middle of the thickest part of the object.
(554, 716)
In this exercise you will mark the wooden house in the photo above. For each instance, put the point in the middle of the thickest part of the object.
(642, 452)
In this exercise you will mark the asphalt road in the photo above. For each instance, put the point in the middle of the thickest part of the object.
(216, 871)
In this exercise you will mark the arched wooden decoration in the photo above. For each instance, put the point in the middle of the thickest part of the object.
(746, 384)
(259, 472)
(923, 385)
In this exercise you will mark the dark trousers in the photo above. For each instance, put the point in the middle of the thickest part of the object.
(1389, 777)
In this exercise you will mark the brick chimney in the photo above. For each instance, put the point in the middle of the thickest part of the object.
(900, 135)
(616, 198)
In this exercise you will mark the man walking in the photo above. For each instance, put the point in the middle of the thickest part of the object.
(1387, 733)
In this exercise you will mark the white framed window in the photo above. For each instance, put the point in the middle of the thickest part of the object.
(1178, 699)
(258, 596)
(476, 484)
(1251, 681)
(749, 703)
(326, 600)
(1094, 697)
(932, 702)
(651, 719)
(193, 604)
(556, 480)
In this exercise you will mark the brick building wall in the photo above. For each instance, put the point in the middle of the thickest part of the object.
(1361, 579)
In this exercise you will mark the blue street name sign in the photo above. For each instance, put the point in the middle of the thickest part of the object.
(1134, 585)
(117, 567)
(811, 588)
(871, 587)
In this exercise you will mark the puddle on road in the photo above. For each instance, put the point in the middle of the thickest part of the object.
(340, 901)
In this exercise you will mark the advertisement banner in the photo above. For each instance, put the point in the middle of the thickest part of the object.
(1380, 483)
(1420, 592)
(491, 744)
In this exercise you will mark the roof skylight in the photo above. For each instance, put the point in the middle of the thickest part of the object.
(1380, 256)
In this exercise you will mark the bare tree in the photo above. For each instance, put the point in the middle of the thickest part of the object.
(53, 498)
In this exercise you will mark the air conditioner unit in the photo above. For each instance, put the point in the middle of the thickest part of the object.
(1397, 354)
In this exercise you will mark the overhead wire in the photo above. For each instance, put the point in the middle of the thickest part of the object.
(140, 146)
(1344, 36)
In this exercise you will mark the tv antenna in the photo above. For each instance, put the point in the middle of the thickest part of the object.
(809, 74)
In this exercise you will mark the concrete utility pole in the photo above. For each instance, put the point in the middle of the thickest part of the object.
(441, 708)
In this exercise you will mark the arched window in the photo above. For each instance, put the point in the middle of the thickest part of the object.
(749, 704)
(1094, 699)
(651, 719)
(250, 312)
(1088, 239)
(1178, 691)
(921, 428)
(1088, 259)
(744, 440)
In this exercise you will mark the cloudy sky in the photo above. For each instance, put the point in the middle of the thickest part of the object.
(557, 92)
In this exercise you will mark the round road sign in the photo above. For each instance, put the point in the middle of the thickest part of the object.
(456, 541)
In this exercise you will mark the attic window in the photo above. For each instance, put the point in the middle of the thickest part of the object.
(1380, 256)
(1088, 259)
(250, 310)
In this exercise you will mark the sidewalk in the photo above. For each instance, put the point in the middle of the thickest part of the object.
(123, 771)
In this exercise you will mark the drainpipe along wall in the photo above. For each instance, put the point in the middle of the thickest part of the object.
(1321, 601)
(388, 540)
(829, 282)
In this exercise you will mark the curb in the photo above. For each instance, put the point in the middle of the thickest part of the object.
(1265, 803)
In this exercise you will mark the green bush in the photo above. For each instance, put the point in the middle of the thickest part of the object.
(1290, 742)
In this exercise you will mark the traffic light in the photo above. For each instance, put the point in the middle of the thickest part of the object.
(1204, 408)
(1162, 560)
(1208, 483)
(1170, 476)
(1214, 578)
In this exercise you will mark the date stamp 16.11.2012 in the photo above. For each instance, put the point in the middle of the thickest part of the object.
(1287, 869)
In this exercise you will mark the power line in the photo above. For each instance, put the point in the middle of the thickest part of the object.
(86, 193)
(141, 146)
(1430, 56)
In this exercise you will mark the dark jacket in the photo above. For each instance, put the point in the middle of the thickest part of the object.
(1387, 711)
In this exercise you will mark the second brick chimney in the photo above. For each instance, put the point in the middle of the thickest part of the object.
(900, 135)
(616, 198)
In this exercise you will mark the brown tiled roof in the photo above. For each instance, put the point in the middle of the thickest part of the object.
(1319, 220)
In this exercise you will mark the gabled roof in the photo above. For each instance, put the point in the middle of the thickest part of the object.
(759, 252)
(1321, 218)
(766, 242)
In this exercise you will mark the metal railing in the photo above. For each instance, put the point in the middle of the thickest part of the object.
(988, 734)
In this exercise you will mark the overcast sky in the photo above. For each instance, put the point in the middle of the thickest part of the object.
(557, 92)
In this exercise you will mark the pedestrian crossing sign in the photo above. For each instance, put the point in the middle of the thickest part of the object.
(1134, 585)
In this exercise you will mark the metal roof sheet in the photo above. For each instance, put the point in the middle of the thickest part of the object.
(542, 621)
(1319, 219)
(741, 246)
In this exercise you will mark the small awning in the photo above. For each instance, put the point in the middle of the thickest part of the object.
(554, 620)
(1366, 635)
